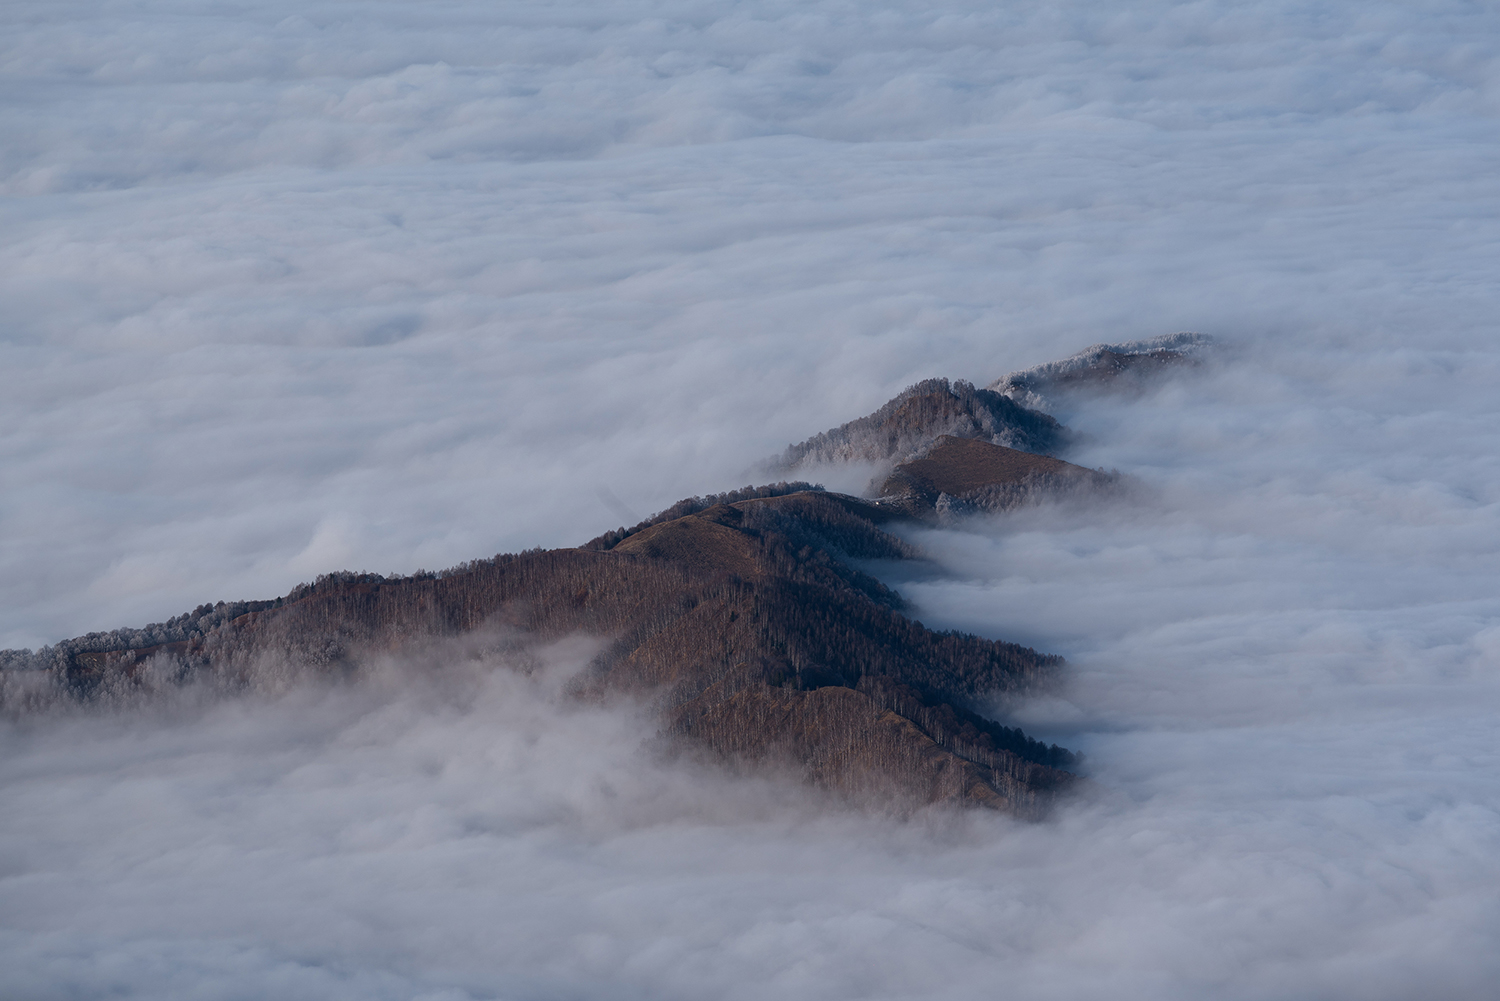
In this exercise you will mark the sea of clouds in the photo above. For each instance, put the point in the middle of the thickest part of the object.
(287, 288)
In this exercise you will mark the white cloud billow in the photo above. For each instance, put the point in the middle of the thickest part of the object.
(398, 285)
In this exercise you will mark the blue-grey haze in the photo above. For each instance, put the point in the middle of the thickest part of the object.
(286, 288)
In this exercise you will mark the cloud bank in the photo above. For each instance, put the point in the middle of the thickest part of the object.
(387, 286)
(286, 288)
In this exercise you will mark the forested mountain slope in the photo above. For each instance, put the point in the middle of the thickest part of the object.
(916, 416)
(741, 617)
(743, 623)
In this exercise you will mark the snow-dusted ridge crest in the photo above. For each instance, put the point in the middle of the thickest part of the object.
(1099, 363)
(1011, 412)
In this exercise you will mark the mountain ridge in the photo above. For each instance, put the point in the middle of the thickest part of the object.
(742, 618)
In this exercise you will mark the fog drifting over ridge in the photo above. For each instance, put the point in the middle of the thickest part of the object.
(392, 286)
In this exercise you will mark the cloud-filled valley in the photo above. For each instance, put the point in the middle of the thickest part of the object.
(389, 286)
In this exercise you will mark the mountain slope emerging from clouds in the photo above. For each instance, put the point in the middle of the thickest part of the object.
(742, 618)
(743, 623)
(917, 415)
(1130, 365)
(964, 475)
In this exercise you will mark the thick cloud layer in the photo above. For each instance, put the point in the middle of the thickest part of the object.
(301, 287)
(387, 286)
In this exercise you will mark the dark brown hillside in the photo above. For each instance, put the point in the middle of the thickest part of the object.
(909, 423)
(959, 465)
(966, 473)
(743, 623)
(704, 541)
